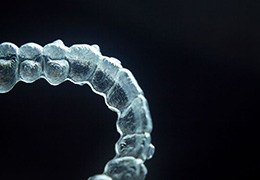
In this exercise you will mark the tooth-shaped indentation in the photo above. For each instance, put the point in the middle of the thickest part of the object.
(103, 77)
(8, 69)
(8, 50)
(30, 71)
(56, 68)
(136, 118)
(56, 71)
(55, 50)
(83, 60)
(135, 145)
(124, 91)
(30, 67)
(126, 168)
(8, 66)
(30, 51)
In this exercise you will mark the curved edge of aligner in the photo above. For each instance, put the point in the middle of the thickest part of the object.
(84, 64)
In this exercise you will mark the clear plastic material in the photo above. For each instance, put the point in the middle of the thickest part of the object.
(84, 64)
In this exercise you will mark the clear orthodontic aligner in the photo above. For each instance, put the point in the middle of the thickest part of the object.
(84, 64)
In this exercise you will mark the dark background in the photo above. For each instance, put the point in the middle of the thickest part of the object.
(198, 63)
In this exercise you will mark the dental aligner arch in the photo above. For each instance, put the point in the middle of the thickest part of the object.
(84, 64)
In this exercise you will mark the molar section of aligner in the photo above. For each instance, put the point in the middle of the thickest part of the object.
(103, 78)
(124, 90)
(135, 145)
(8, 66)
(126, 168)
(30, 58)
(136, 118)
(83, 60)
(56, 68)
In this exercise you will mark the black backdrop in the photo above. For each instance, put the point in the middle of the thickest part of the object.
(198, 63)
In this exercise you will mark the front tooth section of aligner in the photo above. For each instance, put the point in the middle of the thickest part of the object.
(83, 60)
(105, 73)
(30, 67)
(124, 91)
(56, 68)
(136, 118)
(126, 168)
(8, 66)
